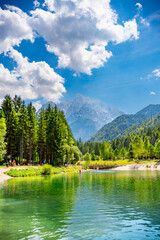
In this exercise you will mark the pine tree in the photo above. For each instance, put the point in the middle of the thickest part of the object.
(23, 134)
(42, 136)
(2, 136)
(157, 149)
(32, 130)
(11, 127)
(123, 152)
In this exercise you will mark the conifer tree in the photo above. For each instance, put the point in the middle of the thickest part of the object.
(32, 130)
(2, 136)
(11, 127)
(41, 136)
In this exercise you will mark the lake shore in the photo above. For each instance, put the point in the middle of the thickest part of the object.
(3, 176)
(142, 167)
(146, 166)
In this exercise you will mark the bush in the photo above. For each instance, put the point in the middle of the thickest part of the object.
(24, 172)
(46, 169)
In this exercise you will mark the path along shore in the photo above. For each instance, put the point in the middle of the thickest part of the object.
(3, 176)
(145, 166)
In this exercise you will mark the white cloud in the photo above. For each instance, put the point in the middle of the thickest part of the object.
(78, 31)
(156, 73)
(152, 93)
(14, 28)
(144, 22)
(36, 4)
(139, 5)
(30, 79)
(37, 105)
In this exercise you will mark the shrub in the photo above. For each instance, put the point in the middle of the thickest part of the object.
(24, 172)
(46, 169)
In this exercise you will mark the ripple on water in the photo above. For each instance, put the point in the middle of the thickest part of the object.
(94, 205)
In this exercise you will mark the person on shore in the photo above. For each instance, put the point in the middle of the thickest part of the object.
(14, 163)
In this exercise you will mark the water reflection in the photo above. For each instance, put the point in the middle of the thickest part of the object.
(92, 205)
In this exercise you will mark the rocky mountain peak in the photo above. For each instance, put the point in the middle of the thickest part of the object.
(86, 115)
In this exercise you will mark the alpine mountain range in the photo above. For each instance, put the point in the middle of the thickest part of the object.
(86, 115)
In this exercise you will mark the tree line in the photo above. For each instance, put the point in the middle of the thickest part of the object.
(145, 145)
(26, 136)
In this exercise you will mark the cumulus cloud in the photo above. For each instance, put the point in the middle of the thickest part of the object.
(36, 4)
(152, 93)
(78, 31)
(139, 6)
(30, 79)
(156, 73)
(14, 27)
(144, 21)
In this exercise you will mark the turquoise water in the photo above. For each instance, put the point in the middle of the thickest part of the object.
(91, 205)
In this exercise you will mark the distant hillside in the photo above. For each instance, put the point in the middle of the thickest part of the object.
(85, 115)
(125, 124)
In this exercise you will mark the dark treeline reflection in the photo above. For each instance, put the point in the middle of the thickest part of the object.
(91, 205)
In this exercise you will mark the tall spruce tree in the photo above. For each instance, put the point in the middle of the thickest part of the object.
(2, 136)
(41, 136)
(11, 127)
(32, 131)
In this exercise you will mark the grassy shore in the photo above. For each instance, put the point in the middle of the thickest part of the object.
(41, 170)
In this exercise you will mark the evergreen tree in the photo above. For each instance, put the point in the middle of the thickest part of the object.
(123, 152)
(42, 136)
(23, 133)
(2, 137)
(131, 151)
(11, 127)
(146, 146)
(157, 149)
(32, 131)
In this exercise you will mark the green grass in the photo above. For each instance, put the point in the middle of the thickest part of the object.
(44, 170)
(24, 172)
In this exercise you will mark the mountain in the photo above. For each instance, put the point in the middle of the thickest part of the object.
(136, 129)
(85, 115)
(119, 126)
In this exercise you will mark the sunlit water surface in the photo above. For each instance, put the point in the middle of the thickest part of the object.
(91, 205)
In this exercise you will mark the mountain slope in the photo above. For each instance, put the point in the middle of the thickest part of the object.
(115, 129)
(85, 115)
(136, 129)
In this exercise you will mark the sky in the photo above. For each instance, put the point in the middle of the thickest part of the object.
(50, 50)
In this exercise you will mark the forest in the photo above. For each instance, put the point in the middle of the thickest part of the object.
(143, 143)
(30, 138)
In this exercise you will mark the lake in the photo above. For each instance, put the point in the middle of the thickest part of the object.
(90, 205)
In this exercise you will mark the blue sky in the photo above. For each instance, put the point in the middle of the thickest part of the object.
(108, 50)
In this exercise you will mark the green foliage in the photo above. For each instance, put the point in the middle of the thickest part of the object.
(127, 124)
(2, 137)
(157, 149)
(87, 159)
(46, 169)
(46, 137)
(24, 172)
(143, 143)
